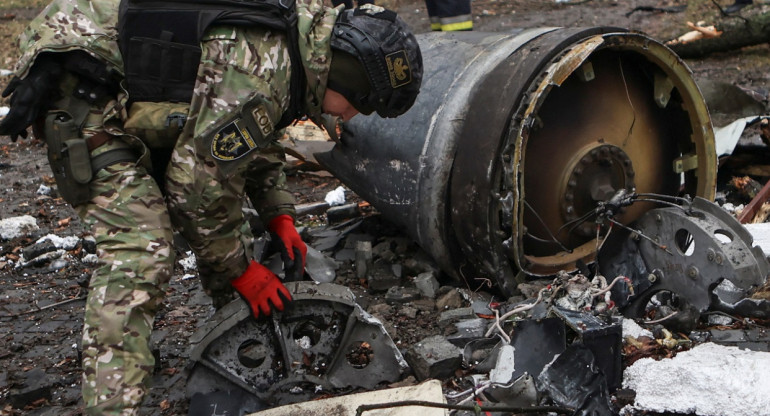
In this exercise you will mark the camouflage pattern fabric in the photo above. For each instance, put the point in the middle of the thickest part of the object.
(130, 217)
(66, 25)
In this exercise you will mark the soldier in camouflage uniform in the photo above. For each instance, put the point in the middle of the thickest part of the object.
(142, 181)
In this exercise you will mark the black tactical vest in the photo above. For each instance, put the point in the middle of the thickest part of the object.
(160, 44)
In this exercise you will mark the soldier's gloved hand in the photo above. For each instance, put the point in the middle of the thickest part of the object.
(31, 96)
(293, 249)
(261, 288)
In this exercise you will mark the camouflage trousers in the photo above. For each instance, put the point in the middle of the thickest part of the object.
(132, 223)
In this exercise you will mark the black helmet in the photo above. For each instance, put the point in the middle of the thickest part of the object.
(389, 54)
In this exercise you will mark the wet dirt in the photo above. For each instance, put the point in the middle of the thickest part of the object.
(41, 309)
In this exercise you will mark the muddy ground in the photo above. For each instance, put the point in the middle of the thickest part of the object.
(41, 309)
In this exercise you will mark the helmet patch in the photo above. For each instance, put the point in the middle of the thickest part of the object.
(398, 69)
(232, 141)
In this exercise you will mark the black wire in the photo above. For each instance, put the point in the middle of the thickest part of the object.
(661, 202)
(508, 409)
(663, 196)
(548, 230)
(580, 219)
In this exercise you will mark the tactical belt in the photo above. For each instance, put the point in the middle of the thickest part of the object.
(109, 157)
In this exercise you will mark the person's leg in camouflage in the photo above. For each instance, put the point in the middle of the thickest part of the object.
(130, 222)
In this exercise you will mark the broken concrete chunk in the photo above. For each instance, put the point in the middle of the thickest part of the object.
(425, 305)
(397, 270)
(746, 339)
(408, 311)
(17, 226)
(414, 266)
(363, 259)
(427, 284)
(381, 278)
(434, 357)
(398, 294)
(467, 330)
(709, 379)
(450, 299)
(380, 309)
(382, 250)
(453, 315)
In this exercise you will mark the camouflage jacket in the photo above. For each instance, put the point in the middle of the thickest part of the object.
(239, 66)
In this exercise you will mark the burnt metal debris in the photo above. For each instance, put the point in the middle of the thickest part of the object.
(322, 341)
(694, 250)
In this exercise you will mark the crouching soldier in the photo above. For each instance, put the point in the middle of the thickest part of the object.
(159, 116)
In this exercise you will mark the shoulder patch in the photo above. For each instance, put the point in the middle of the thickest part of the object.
(232, 141)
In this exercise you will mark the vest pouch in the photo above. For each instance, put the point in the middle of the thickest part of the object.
(69, 158)
(157, 124)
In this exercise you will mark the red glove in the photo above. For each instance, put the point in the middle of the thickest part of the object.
(292, 247)
(260, 287)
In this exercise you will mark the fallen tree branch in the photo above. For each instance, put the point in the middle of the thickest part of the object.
(53, 305)
(535, 409)
(736, 33)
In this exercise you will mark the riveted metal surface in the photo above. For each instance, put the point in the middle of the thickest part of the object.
(322, 341)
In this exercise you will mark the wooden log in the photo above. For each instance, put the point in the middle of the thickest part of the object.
(736, 33)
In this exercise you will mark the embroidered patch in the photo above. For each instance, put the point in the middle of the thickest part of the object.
(398, 69)
(232, 141)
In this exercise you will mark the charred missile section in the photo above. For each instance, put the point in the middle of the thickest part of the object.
(694, 253)
(322, 342)
(517, 140)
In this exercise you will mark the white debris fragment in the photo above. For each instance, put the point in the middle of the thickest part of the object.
(632, 329)
(304, 342)
(17, 226)
(726, 137)
(59, 264)
(503, 371)
(709, 379)
(43, 190)
(4, 111)
(66, 243)
(189, 263)
(761, 234)
(335, 197)
(90, 259)
(5, 72)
